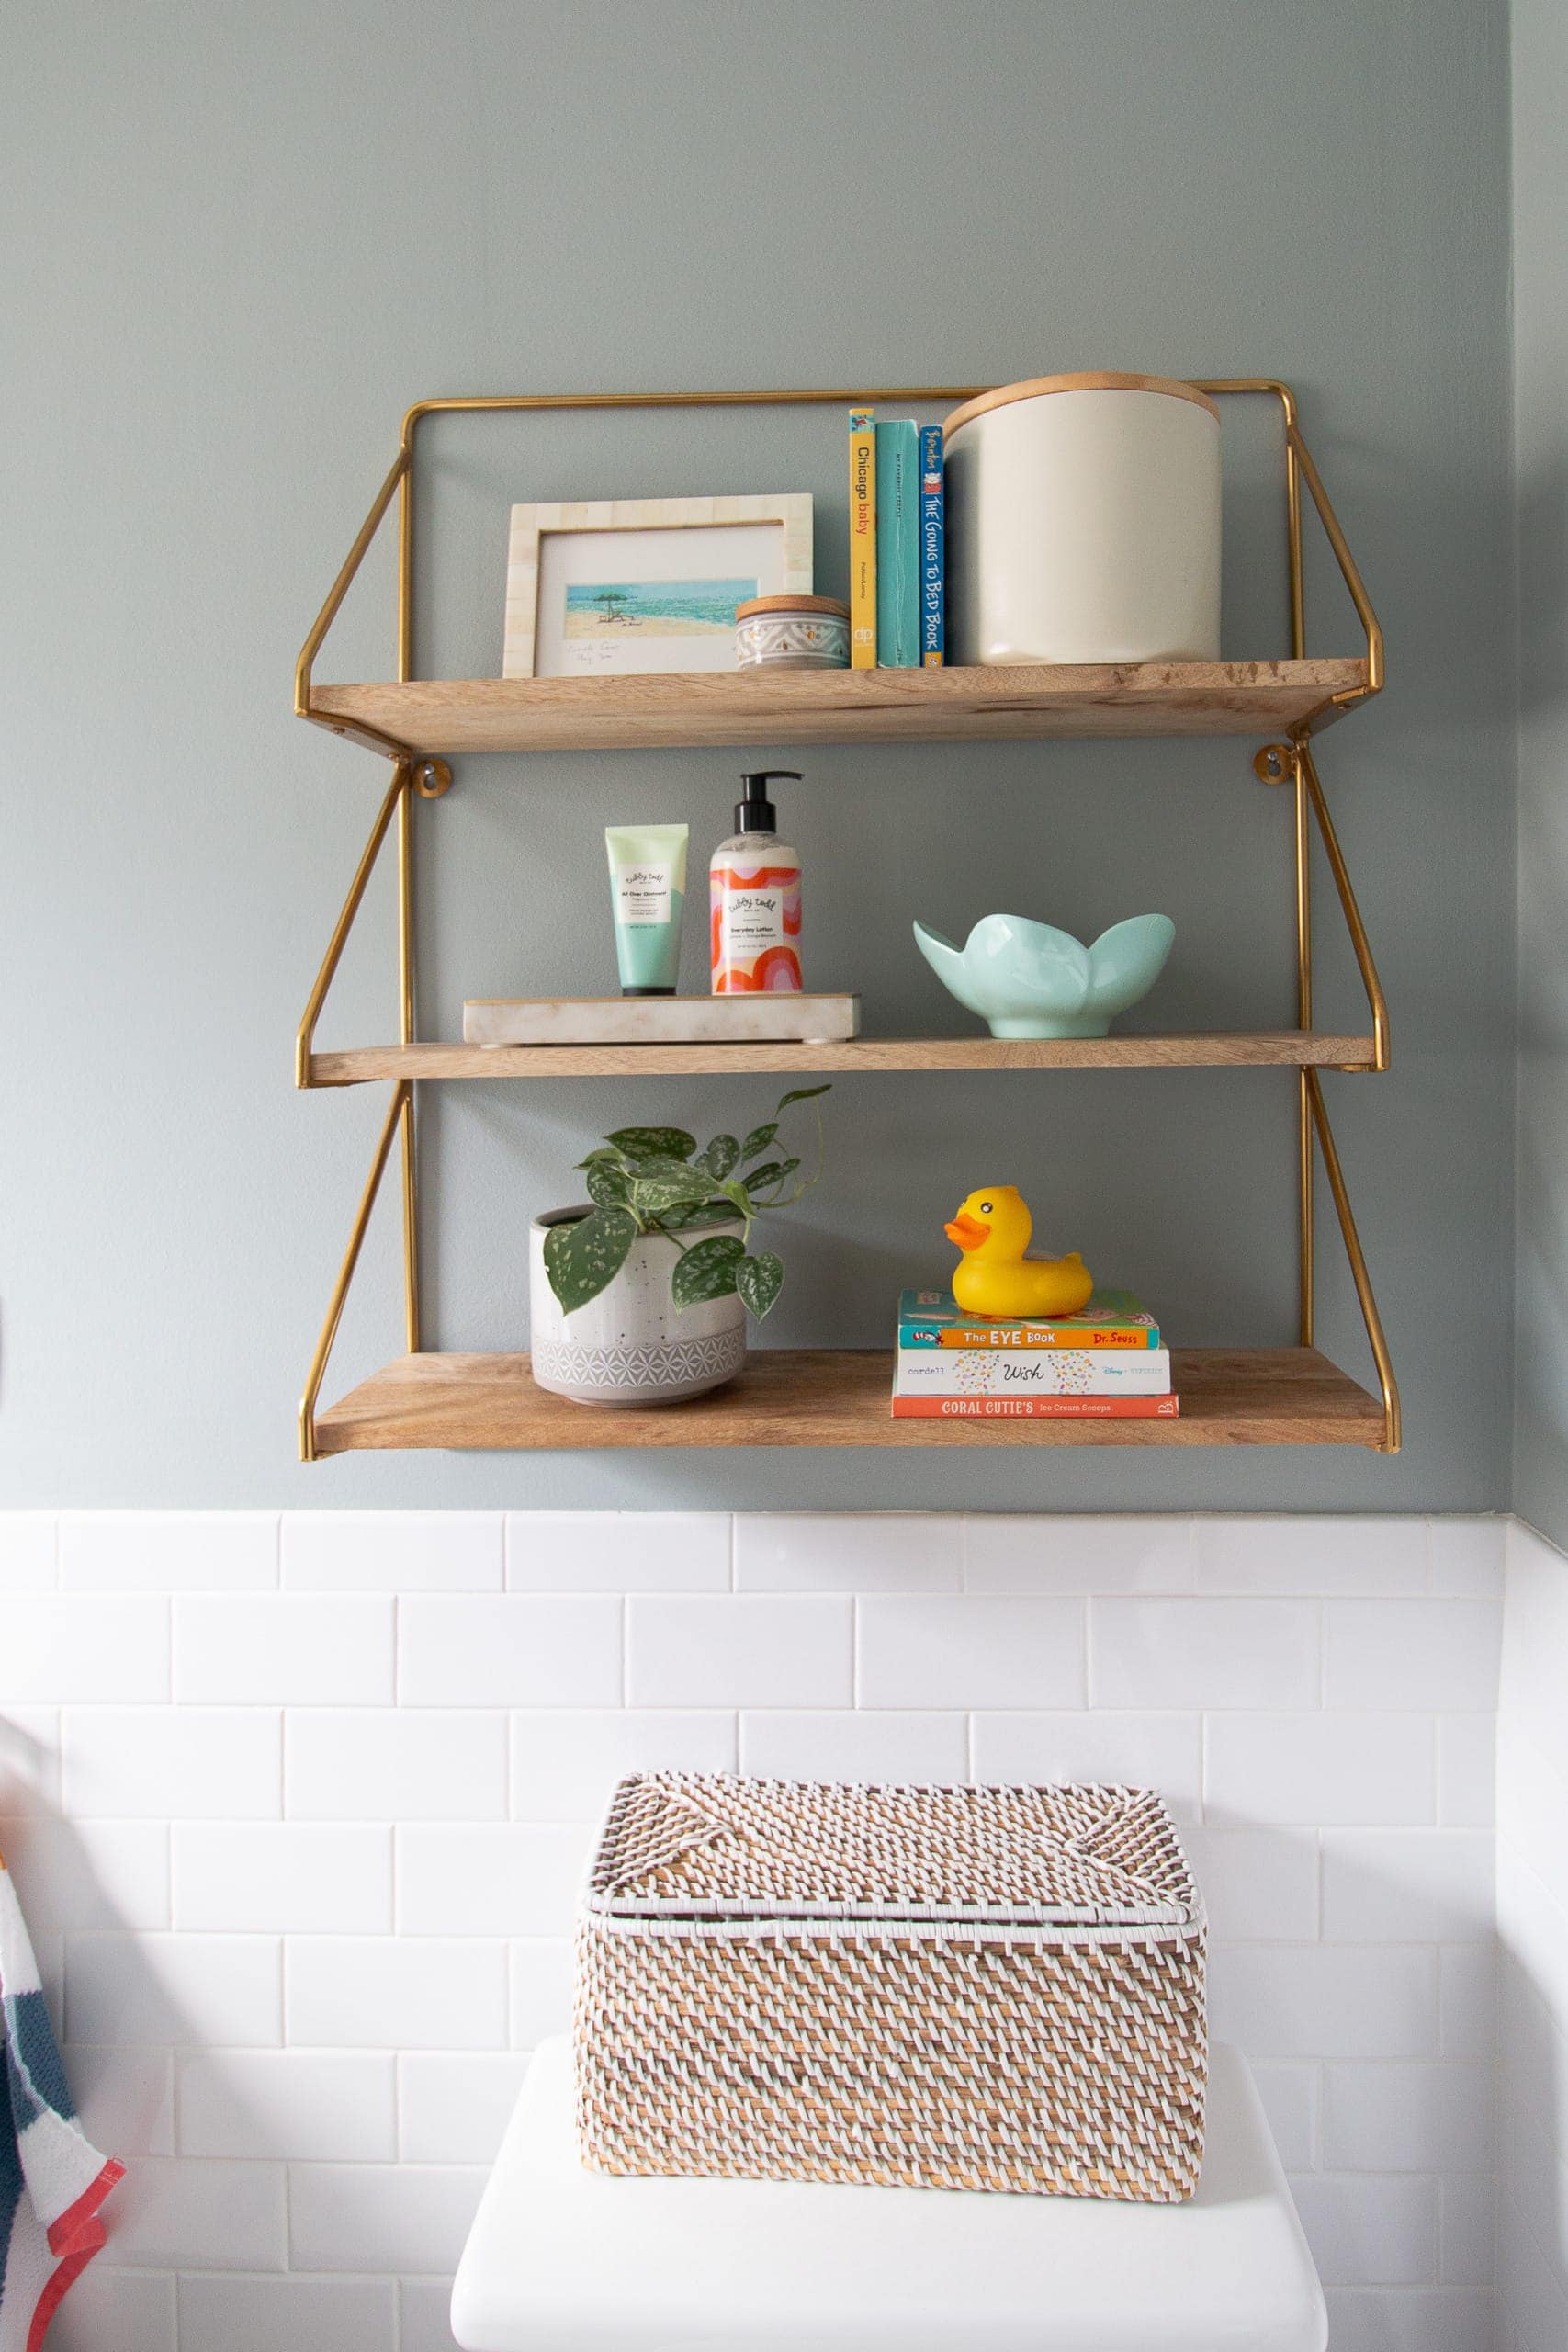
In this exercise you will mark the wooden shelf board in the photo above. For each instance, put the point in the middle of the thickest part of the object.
(1227, 1049)
(433, 716)
(837, 1396)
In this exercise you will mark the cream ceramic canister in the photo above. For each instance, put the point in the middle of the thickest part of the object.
(1083, 522)
(792, 633)
(631, 1345)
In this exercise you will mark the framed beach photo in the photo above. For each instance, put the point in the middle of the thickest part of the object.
(616, 586)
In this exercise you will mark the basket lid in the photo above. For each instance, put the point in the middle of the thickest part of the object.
(1037, 387)
(722, 1847)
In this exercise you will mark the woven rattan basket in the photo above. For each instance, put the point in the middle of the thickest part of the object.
(929, 1987)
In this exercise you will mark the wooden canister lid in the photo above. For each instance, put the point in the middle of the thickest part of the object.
(1039, 385)
(796, 603)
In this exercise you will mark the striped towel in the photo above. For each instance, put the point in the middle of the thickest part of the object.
(52, 2182)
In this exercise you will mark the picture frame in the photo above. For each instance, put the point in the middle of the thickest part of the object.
(637, 586)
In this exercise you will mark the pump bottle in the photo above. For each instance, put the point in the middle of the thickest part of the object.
(755, 896)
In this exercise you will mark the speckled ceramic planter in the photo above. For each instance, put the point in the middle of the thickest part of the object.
(632, 1345)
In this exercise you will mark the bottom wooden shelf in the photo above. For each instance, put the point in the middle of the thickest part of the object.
(837, 1396)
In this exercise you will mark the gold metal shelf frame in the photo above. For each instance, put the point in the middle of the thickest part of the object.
(1288, 762)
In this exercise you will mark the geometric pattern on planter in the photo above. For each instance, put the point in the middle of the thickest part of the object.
(665, 1367)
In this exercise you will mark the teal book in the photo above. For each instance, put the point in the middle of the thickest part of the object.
(898, 545)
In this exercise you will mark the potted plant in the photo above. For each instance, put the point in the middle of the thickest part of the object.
(639, 1295)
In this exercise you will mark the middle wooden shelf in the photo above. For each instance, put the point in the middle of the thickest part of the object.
(1216, 1049)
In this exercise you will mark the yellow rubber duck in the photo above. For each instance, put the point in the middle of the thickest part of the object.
(992, 1228)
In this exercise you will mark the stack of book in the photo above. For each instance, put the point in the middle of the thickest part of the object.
(897, 544)
(1104, 1363)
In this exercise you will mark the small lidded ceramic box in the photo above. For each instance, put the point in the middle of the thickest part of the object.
(793, 632)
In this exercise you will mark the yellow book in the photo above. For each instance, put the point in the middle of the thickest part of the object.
(863, 539)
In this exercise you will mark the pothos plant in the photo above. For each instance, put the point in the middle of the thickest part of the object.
(654, 1180)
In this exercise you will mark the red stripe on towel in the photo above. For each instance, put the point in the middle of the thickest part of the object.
(77, 2236)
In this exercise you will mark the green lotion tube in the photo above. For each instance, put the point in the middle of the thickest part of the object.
(647, 893)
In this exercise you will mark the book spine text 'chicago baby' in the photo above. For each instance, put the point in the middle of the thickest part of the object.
(863, 539)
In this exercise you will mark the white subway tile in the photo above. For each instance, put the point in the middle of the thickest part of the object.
(1319, 1553)
(1407, 1885)
(509, 1650)
(1467, 1978)
(392, 1551)
(1324, 2001)
(1535, 1642)
(369, 1993)
(1290, 2099)
(617, 1551)
(222, 1990)
(124, 2097)
(1341, 1771)
(1467, 2220)
(1408, 2118)
(85, 1647)
(1467, 1771)
(870, 1552)
(27, 1561)
(186, 2215)
(383, 1764)
(1069, 1553)
(89, 1873)
(1139, 1751)
(380, 2218)
(29, 1761)
(565, 1764)
(424, 2315)
(161, 1763)
(843, 1744)
(1535, 2293)
(1367, 2229)
(1420, 1654)
(219, 2314)
(283, 1649)
(541, 1991)
(1465, 1556)
(755, 1650)
(169, 1550)
(1532, 1806)
(970, 1650)
(1260, 1885)
(115, 2310)
(274, 1877)
(1203, 1653)
(1410, 2319)
(453, 2108)
(511, 1879)
(332, 2106)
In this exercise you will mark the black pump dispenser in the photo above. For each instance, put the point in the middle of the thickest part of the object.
(754, 812)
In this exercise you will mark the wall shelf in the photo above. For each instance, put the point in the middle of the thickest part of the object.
(434, 717)
(1246, 1397)
(1224, 1049)
(836, 1396)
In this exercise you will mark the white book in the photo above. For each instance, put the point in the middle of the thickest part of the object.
(1022, 1372)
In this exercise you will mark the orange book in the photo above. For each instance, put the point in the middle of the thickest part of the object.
(1036, 1408)
(863, 539)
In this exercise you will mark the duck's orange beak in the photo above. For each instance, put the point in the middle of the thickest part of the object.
(967, 1231)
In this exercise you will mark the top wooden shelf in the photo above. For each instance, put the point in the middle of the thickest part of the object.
(429, 718)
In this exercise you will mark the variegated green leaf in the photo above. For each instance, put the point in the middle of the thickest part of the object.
(759, 1280)
(654, 1142)
(684, 1188)
(707, 1270)
(720, 1157)
(583, 1258)
(759, 1139)
(607, 1183)
(797, 1094)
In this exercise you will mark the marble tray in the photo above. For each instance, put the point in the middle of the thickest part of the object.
(769, 1017)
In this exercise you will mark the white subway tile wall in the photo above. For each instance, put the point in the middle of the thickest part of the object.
(1532, 1937)
(297, 1806)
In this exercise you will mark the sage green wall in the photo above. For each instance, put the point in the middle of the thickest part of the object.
(1540, 412)
(243, 237)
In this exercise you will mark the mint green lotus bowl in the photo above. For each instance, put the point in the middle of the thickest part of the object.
(1026, 979)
